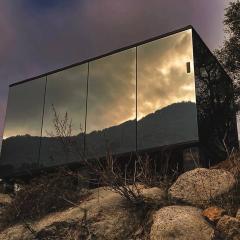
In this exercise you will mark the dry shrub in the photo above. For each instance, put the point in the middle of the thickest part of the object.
(150, 175)
(231, 164)
(111, 173)
(231, 202)
(45, 194)
(127, 178)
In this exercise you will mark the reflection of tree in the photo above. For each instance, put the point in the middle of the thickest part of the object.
(216, 114)
(62, 130)
(61, 146)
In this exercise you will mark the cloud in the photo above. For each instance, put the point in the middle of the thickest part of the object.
(66, 93)
(112, 90)
(25, 107)
(162, 77)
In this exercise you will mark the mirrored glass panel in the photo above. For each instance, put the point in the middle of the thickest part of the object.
(20, 149)
(166, 102)
(111, 114)
(64, 117)
(215, 104)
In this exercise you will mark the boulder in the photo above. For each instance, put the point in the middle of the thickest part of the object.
(102, 215)
(155, 194)
(110, 217)
(64, 230)
(200, 186)
(229, 228)
(17, 232)
(180, 222)
(213, 214)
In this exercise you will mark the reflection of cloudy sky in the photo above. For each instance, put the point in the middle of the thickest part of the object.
(112, 88)
(25, 106)
(162, 75)
(162, 80)
(66, 93)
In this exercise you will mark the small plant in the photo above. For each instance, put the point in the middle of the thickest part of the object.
(110, 174)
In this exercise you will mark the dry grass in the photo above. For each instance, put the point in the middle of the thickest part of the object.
(127, 179)
(231, 202)
(69, 230)
(43, 195)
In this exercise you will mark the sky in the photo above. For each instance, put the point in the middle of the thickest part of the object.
(40, 36)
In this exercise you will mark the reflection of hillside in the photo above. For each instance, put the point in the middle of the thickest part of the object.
(20, 152)
(172, 124)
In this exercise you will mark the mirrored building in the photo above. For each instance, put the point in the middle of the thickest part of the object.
(168, 92)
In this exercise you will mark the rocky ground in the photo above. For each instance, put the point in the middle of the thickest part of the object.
(201, 204)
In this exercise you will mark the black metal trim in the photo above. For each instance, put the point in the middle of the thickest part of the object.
(42, 120)
(105, 55)
(86, 112)
(136, 94)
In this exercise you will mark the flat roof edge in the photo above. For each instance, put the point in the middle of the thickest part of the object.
(104, 55)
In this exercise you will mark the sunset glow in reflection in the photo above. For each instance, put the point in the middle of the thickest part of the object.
(162, 75)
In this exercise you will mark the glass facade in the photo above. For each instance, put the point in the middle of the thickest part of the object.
(111, 112)
(64, 116)
(23, 123)
(158, 93)
(166, 106)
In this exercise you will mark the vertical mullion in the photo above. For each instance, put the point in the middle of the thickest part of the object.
(43, 112)
(86, 111)
(136, 76)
